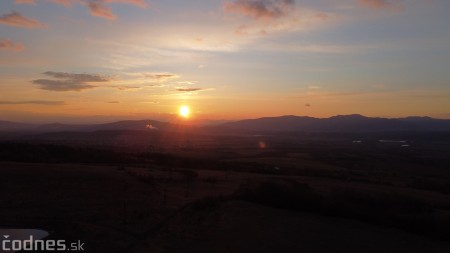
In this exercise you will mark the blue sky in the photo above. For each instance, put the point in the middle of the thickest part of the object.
(70, 60)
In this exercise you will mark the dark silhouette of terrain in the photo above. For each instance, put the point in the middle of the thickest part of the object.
(58, 127)
(14, 126)
(340, 123)
(340, 184)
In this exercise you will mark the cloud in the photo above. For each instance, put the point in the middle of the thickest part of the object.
(189, 89)
(259, 18)
(32, 102)
(8, 45)
(187, 83)
(68, 81)
(140, 3)
(100, 8)
(16, 19)
(127, 87)
(381, 4)
(161, 77)
(61, 85)
(260, 8)
(77, 77)
(30, 2)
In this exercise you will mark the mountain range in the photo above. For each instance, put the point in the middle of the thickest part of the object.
(289, 123)
(340, 123)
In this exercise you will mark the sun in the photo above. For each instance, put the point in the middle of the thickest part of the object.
(184, 111)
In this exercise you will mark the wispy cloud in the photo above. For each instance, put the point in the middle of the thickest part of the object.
(33, 102)
(263, 17)
(260, 8)
(77, 77)
(101, 8)
(62, 85)
(151, 102)
(140, 3)
(314, 87)
(63, 81)
(189, 89)
(9, 45)
(16, 19)
(68, 81)
(127, 88)
(161, 77)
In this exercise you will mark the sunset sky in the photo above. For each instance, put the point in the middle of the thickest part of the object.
(103, 60)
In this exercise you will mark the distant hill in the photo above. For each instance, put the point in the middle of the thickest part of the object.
(340, 123)
(119, 125)
(289, 123)
(8, 126)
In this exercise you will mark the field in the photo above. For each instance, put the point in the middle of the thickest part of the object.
(193, 192)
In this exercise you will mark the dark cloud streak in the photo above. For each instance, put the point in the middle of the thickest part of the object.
(77, 77)
(189, 89)
(68, 81)
(16, 19)
(100, 9)
(260, 8)
(61, 85)
(33, 102)
(161, 77)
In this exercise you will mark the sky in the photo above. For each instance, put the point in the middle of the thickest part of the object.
(104, 60)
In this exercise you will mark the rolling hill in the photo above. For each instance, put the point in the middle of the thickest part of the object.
(290, 123)
(340, 123)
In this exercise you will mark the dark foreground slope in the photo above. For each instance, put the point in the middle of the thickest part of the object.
(164, 209)
(236, 226)
(190, 190)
